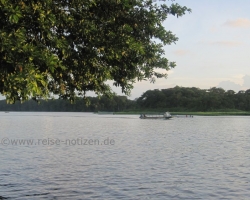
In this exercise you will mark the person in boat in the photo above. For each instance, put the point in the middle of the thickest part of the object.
(142, 116)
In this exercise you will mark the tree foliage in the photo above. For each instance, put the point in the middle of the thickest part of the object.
(194, 99)
(69, 47)
(113, 104)
(171, 99)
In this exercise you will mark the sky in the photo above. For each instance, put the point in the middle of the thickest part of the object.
(213, 49)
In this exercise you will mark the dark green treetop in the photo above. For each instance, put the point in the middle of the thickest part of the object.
(67, 47)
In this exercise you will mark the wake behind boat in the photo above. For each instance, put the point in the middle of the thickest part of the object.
(166, 115)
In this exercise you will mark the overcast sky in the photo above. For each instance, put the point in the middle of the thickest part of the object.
(213, 49)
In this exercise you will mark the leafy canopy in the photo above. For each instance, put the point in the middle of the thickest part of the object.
(67, 47)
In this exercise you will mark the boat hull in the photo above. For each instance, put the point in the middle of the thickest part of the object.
(166, 115)
(155, 117)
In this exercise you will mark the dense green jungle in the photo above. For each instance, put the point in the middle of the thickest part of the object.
(177, 99)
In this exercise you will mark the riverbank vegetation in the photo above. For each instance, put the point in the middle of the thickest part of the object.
(177, 100)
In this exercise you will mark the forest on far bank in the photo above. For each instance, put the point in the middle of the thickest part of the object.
(171, 99)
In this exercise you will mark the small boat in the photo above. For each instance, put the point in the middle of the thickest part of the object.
(166, 115)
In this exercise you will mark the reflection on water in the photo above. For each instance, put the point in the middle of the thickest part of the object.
(183, 158)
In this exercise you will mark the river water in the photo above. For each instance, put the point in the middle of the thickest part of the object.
(88, 156)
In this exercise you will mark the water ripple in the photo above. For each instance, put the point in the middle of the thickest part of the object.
(196, 158)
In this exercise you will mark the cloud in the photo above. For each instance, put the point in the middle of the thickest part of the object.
(213, 29)
(227, 43)
(229, 85)
(222, 43)
(238, 23)
(181, 52)
(246, 82)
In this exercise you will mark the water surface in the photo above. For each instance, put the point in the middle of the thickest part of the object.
(183, 158)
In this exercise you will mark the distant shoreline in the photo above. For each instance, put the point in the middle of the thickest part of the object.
(219, 113)
(243, 113)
